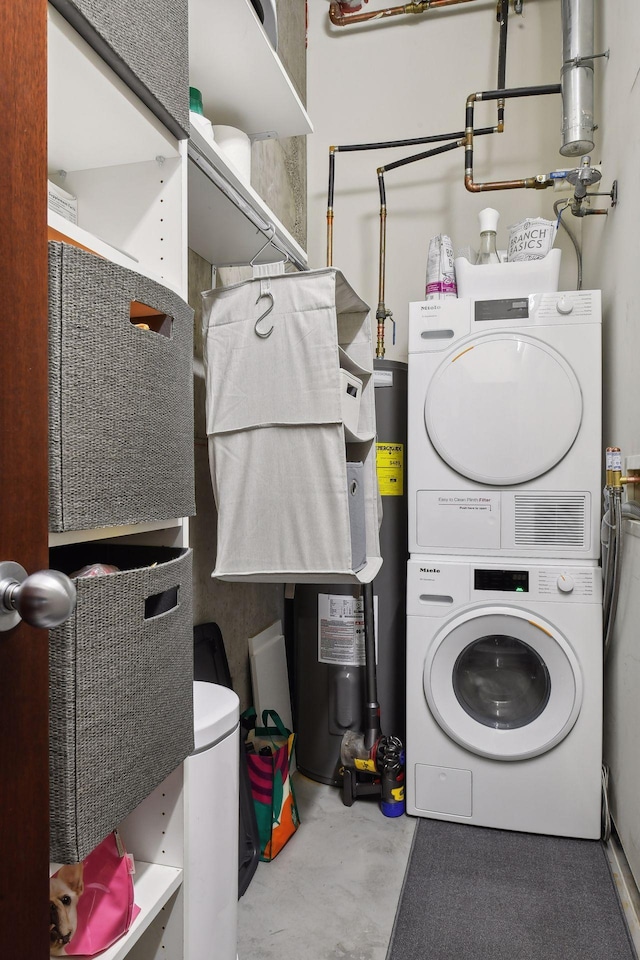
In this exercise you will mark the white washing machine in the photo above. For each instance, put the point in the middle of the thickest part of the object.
(504, 694)
(504, 428)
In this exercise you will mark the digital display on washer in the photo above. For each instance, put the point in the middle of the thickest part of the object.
(507, 581)
(502, 309)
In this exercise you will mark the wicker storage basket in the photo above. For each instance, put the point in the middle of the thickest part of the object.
(120, 397)
(121, 689)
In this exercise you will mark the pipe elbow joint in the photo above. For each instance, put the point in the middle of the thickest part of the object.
(471, 186)
(336, 16)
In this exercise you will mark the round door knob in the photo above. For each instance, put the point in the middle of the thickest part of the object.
(564, 306)
(565, 583)
(44, 599)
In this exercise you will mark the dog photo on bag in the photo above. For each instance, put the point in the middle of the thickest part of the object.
(65, 889)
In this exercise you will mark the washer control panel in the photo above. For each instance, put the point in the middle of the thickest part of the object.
(436, 585)
(541, 582)
(574, 581)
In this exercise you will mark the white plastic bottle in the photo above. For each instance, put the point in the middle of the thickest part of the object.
(488, 252)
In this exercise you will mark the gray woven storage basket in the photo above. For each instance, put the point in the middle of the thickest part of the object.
(146, 42)
(120, 398)
(121, 690)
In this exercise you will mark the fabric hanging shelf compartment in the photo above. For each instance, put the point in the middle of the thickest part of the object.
(296, 490)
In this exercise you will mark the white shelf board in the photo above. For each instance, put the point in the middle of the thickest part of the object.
(94, 118)
(85, 238)
(241, 78)
(154, 885)
(76, 234)
(365, 575)
(104, 533)
(221, 229)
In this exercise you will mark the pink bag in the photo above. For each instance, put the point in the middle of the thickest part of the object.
(91, 903)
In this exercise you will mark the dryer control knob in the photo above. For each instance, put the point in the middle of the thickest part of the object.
(565, 583)
(564, 306)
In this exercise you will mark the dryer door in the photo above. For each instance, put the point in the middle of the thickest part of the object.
(503, 409)
(503, 683)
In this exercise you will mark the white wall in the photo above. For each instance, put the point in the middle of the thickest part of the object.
(407, 77)
(611, 262)
(410, 77)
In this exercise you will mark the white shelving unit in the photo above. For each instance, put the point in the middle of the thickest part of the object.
(241, 78)
(243, 84)
(129, 175)
(126, 170)
(155, 884)
(228, 221)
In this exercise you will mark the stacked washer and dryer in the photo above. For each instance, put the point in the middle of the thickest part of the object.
(504, 593)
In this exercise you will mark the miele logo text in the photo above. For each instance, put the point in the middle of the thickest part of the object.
(429, 570)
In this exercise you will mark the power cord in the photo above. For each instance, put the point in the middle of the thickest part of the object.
(606, 812)
(572, 237)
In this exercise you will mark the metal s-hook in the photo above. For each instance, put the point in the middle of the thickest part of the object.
(266, 333)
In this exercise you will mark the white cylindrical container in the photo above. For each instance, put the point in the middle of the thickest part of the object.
(236, 147)
(212, 826)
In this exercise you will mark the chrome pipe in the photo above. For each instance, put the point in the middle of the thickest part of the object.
(576, 77)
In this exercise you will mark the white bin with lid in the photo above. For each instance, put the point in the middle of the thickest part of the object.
(212, 825)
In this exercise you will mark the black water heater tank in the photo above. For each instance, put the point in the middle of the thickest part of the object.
(328, 662)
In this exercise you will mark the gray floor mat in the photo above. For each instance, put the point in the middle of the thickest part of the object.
(476, 894)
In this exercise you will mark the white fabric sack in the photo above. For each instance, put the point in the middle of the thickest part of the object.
(274, 421)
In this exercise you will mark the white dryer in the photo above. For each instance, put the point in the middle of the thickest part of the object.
(504, 426)
(504, 694)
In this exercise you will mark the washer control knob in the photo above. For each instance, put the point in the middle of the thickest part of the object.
(565, 583)
(564, 306)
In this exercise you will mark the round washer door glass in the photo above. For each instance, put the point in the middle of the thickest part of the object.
(504, 409)
(503, 683)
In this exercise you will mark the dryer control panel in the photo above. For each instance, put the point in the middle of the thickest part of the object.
(435, 324)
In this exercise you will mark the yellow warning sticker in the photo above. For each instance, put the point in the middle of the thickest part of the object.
(367, 765)
(390, 468)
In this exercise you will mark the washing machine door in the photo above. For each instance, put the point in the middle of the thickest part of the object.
(503, 408)
(503, 683)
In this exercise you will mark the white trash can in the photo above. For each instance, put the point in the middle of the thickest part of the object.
(211, 825)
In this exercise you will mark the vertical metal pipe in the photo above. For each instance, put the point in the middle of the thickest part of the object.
(332, 173)
(381, 312)
(577, 77)
(372, 707)
(503, 20)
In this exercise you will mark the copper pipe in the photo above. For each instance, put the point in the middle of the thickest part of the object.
(381, 313)
(528, 182)
(340, 19)
(585, 212)
(332, 170)
(381, 259)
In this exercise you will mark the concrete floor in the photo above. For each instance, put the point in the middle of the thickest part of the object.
(332, 893)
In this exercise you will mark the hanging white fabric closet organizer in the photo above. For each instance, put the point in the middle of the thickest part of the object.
(295, 485)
